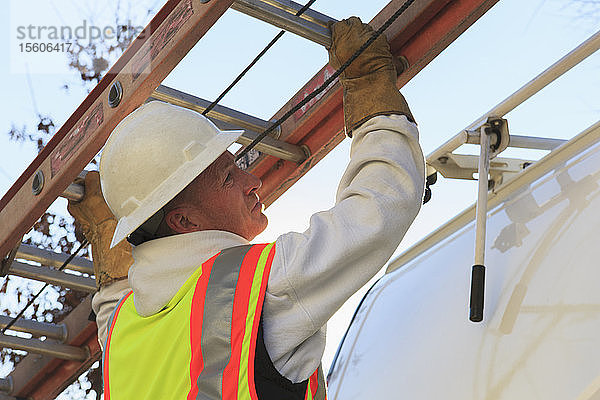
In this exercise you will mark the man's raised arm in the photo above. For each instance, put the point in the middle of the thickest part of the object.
(379, 195)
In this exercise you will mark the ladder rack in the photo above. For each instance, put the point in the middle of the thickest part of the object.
(460, 166)
(491, 132)
(418, 36)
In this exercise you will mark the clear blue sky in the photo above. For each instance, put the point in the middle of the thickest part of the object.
(508, 46)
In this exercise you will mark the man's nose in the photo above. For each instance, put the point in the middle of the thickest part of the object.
(253, 183)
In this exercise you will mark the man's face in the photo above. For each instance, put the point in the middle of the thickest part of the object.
(225, 199)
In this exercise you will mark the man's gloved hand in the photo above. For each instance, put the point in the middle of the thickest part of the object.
(370, 81)
(98, 225)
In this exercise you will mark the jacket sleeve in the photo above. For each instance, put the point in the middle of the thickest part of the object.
(315, 272)
(103, 304)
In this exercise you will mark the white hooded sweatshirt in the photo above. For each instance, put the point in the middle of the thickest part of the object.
(314, 272)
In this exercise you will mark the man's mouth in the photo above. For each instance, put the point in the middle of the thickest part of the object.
(258, 205)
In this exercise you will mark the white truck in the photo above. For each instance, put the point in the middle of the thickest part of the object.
(411, 337)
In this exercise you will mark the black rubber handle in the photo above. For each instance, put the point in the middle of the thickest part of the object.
(477, 290)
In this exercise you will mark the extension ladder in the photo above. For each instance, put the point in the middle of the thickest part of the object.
(70, 348)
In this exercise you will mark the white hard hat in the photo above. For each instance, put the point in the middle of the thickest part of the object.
(151, 156)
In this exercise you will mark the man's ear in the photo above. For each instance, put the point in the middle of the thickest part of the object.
(183, 219)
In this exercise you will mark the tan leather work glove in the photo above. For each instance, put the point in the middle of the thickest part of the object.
(98, 225)
(370, 81)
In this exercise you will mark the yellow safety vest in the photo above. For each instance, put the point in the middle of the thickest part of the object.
(201, 345)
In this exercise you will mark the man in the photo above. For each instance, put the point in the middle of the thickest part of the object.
(210, 316)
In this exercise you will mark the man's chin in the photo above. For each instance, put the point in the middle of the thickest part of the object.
(260, 225)
(256, 227)
(264, 222)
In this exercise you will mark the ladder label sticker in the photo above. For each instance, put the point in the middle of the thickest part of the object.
(311, 87)
(248, 159)
(161, 37)
(75, 138)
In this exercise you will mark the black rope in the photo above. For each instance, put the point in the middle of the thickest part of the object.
(30, 302)
(328, 81)
(258, 57)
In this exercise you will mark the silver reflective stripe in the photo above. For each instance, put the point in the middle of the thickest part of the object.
(216, 324)
(321, 392)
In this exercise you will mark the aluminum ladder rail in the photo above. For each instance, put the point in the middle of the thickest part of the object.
(418, 36)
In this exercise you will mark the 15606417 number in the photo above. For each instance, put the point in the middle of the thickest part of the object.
(44, 47)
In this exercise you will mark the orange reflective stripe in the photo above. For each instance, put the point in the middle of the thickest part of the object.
(313, 383)
(110, 331)
(196, 314)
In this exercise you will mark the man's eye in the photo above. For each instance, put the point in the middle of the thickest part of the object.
(228, 177)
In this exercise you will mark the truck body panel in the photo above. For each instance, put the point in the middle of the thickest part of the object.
(411, 337)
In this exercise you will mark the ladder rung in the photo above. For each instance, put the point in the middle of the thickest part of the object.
(224, 117)
(53, 277)
(46, 347)
(524, 142)
(537, 143)
(50, 258)
(74, 191)
(276, 148)
(310, 25)
(227, 118)
(36, 328)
